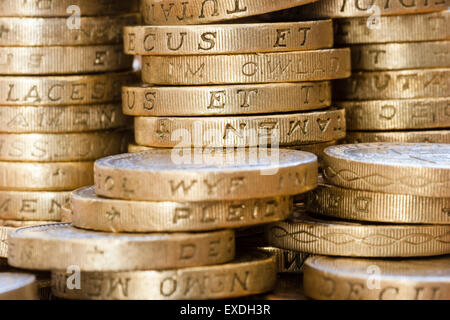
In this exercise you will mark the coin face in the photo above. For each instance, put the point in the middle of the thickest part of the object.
(420, 155)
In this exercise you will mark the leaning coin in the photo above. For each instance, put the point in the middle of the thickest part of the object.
(375, 279)
(421, 169)
(250, 273)
(90, 211)
(360, 205)
(173, 12)
(340, 238)
(204, 175)
(45, 248)
(420, 136)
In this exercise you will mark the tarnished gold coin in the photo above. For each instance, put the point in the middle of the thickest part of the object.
(18, 286)
(65, 8)
(205, 175)
(424, 136)
(170, 12)
(61, 119)
(45, 248)
(420, 169)
(29, 205)
(28, 32)
(4, 240)
(63, 90)
(398, 28)
(404, 114)
(45, 176)
(250, 131)
(228, 38)
(401, 84)
(49, 147)
(93, 212)
(366, 8)
(340, 238)
(376, 206)
(288, 261)
(147, 100)
(397, 56)
(250, 273)
(296, 66)
(375, 279)
(63, 60)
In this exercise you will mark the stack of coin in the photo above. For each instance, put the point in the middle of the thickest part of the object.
(157, 227)
(399, 90)
(239, 84)
(379, 200)
(62, 67)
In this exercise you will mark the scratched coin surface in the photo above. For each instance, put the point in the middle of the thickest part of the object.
(252, 272)
(421, 169)
(46, 248)
(208, 174)
(326, 236)
(90, 211)
(18, 286)
(173, 12)
(375, 279)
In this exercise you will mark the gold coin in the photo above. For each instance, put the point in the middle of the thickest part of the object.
(402, 28)
(376, 206)
(61, 119)
(366, 8)
(21, 31)
(288, 261)
(66, 214)
(46, 176)
(437, 136)
(29, 205)
(205, 175)
(18, 286)
(340, 238)
(228, 38)
(4, 240)
(111, 215)
(396, 56)
(146, 100)
(421, 169)
(170, 12)
(60, 8)
(375, 279)
(402, 114)
(63, 90)
(283, 129)
(250, 273)
(48, 147)
(296, 66)
(45, 248)
(403, 84)
(288, 287)
(62, 60)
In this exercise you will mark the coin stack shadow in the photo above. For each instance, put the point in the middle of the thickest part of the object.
(377, 200)
(60, 77)
(400, 87)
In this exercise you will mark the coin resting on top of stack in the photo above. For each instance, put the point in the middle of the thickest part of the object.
(400, 194)
(61, 72)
